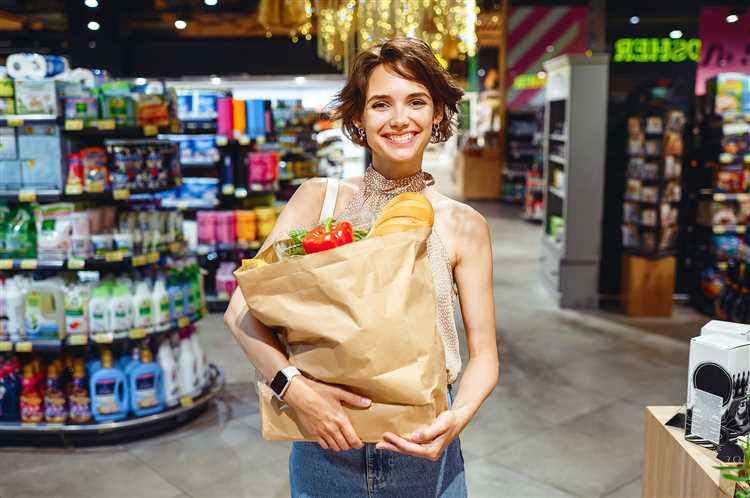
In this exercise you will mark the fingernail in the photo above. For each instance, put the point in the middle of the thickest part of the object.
(417, 435)
(366, 402)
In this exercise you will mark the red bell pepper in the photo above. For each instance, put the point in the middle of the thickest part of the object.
(328, 236)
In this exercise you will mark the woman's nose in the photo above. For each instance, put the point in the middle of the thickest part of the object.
(399, 119)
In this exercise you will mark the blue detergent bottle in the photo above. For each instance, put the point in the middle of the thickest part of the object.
(109, 391)
(176, 296)
(146, 385)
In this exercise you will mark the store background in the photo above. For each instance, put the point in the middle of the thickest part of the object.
(578, 364)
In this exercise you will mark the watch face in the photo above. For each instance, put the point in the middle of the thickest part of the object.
(278, 383)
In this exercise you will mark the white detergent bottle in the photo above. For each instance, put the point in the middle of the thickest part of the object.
(121, 309)
(76, 321)
(201, 367)
(15, 302)
(186, 377)
(45, 310)
(160, 304)
(143, 306)
(169, 368)
(99, 310)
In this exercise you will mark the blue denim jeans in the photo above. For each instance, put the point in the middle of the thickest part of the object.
(367, 472)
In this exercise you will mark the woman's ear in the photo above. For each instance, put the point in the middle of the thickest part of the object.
(438, 116)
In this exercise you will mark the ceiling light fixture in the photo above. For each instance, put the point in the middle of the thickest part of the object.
(215, 80)
(675, 34)
(180, 24)
(93, 26)
(300, 80)
(141, 81)
(635, 19)
(210, 3)
(732, 18)
(92, 4)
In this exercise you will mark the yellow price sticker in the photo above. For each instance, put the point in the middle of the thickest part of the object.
(73, 124)
(121, 194)
(186, 401)
(227, 189)
(106, 124)
(29, 424)
(29, 264)
(138, 333)
(221, 141)
(27, 196)
(6, 346)
(178, 181)
(113, 256)
(720, 197)
(204, 311)
(240, 193)
(152, 257)
(23, 347)
(183, 322)
(15, 121)
(76, 263)
(261, 139)
(255, 244)
(104, 338)
(243, 140)
(95, 187)
(150, 130)
(73, 189)
(78, 340)
(139, 260)
(223, 296)
(6, 264)
(175, 247)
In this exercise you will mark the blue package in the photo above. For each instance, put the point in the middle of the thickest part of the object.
(204, 150)
(184, 104)
(205, 105)
(40, 152)
(725, 246)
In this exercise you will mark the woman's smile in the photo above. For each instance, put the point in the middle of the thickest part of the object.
(400, 138)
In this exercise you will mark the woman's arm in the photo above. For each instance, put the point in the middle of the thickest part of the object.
(473, 275)
(318, 405)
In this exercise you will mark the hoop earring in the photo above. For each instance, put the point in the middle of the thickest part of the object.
(362, 134)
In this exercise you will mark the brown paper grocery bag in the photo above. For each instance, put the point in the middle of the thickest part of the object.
(361, 316)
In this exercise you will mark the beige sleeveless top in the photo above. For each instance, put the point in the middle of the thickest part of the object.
(366, 205)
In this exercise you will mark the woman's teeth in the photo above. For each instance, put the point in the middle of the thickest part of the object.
(401, 139)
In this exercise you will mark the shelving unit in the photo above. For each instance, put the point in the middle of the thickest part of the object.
(522, 154)
(573, 145)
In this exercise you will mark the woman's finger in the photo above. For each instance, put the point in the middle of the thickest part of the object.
(439, 427)
(406, 446)
(351, 435)
(340, 441)
(382, 445)
(322, 443)
(331, 443)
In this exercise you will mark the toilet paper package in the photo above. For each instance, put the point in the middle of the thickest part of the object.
(35, 66)
(40, 152)
(10, 175)
(8, 145)
(718, 375)
(36, 97)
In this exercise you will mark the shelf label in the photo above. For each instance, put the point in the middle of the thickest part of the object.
(121, 194)
(113, 256)
(73, 189)
(78, 340)
(178, 181)
(175, 247)
(29, 264)
(76, 263)
(23, 347)
(204, 311)
(6, 346)
(153, 257)
(720, 197)
(106, 124)
(183, 322)
(6, 264)
(104, 338)
(243, 140)
(227, 189)
(15, 121)
(27, 196)
(29, 424)
(221, 141)
(186, 401)
(223, 296)
(260, 139)
(139, 260)
(95, 187)
(240, 193)
(73, 124)
(150, 130)
(137, 333)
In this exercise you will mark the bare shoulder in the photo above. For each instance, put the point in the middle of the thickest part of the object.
(457, 216)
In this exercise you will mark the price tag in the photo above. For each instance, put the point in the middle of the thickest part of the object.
(204, 311)
(104, 338)
(720, 197)
(29, 424)
(73, 189)
(113, 256)
(78, 340)
(139, 260)
(183, 322)
(178, 181)
(95, 188)
(73, 124)
(106, 124)
(76, 263)
(183, 205)
(27, 196)
(227, 189)
(746, 158)
(243, 140)
(720, 230)
(255, 244)
(137, 333)
(23, 347)
(121, 194)
(6, 346)
(15, 121)
(150, 130)
(260, 139)
(240, 193)
(221, 141)
(202, 250)
(29, 264)
(186, 401)
(153, 257)
(6, 264)
(223, 296)
(175, 247)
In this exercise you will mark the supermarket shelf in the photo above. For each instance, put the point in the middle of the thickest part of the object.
(558, 159)
(203, 249)
(110, 432)
(725, 229)
(557, 191)
(510, 173)
(217, 303)
(187, 204)
(52, 195)
(558, 138)
(229, 190)
(20, 119)
(111, 261)
(722, 197)
(198, 164)
(108, 128)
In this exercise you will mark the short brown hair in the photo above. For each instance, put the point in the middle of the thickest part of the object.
(410, 58)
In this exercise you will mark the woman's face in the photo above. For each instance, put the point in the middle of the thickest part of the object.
(398, 116)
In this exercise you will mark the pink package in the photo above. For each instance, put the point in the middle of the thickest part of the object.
(224, 116)
(262, 166)
(225, 281)
(226, 229)
(206, 227)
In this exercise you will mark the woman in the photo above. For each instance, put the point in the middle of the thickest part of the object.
(396, 100)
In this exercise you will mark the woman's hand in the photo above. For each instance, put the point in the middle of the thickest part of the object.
(319, 409)
(429, 442)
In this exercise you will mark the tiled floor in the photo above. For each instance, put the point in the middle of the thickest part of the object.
(566, 419)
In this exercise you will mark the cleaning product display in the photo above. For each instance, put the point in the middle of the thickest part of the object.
(524, 154)
(104, 385)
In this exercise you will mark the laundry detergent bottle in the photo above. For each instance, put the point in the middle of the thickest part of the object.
(160, 304)
(45, 310)
(169, 373)
(143, 311)
(146, 386)
(176, 296)
(99, 310)
(121, 309)
(109, 391)
(186, 371)
(55, 409)
(201, 365)
(79, 401)
(10, 391)
(32, 403)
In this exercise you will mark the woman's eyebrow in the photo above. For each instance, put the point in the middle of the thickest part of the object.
(388, 97)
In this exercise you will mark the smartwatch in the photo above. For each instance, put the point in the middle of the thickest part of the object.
(281, 381)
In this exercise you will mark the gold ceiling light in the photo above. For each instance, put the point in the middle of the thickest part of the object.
(294, 15)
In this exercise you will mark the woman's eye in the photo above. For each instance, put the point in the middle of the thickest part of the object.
(378, 105)
(417, 102)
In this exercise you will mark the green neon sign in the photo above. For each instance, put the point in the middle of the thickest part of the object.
(527, 82)
(657, 50)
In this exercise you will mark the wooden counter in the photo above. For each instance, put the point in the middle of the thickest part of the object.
(674, 467)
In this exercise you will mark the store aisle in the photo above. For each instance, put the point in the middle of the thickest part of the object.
(566, 419)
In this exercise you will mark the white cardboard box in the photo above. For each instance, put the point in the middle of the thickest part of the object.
(730, 328)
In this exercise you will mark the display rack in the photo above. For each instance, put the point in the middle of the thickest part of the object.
(523, 153)
(574, 140)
